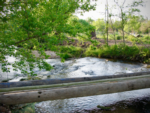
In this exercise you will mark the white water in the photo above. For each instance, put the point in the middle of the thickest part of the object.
(84, 67)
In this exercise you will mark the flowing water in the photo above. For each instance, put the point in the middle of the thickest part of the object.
(87, 67)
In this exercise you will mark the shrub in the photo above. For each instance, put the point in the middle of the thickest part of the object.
(66, 52)
(119, 37)
(133, 53)
(147, 37)
(130, 38)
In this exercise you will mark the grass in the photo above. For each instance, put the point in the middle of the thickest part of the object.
(28, 108)
(66, 52)
(110, 36)
(143, 40)
(133, 53)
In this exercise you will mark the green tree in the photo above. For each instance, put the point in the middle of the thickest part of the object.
(89, 20)
(100, 25)
(112, 27)
(145, 26)
(82, 27)
(133, 24)
(24, 22)
(125, 10)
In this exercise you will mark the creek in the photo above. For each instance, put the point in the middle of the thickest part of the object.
(87, 67)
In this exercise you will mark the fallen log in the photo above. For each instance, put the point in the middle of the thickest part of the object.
(30, 94)
(66, 80)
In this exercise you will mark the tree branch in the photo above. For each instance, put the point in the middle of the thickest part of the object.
(28, 39)
(123, 3)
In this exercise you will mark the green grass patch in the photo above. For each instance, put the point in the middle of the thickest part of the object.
(28, 108)
(133, 53)
(145, 39)
(119, 37)
(66, 52)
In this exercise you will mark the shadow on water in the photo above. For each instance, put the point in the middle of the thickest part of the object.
(141, 105)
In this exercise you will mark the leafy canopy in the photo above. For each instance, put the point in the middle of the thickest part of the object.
(100, 25)
(25, 23)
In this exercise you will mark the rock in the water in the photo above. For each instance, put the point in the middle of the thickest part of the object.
(148, 66)
(4, 109)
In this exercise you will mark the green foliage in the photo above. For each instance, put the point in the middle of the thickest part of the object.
(133, 23)
(119, 37)
(2, 3)
(39, 25)
(80, 26)
(69, 52)
(27, 108)
(125, 13)
(99, 25)
(44, 24)
(133, 53)
(91, 51)
(131, 38)
(144, 39)
(147, 37)
(145, 26)
(117, 25)
(89, 20)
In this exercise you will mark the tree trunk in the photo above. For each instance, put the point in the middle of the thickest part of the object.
(122, 26)
(107, 22)
(93, 34)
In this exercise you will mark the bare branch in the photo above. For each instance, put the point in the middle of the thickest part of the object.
(117, 3)
(123, 3)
